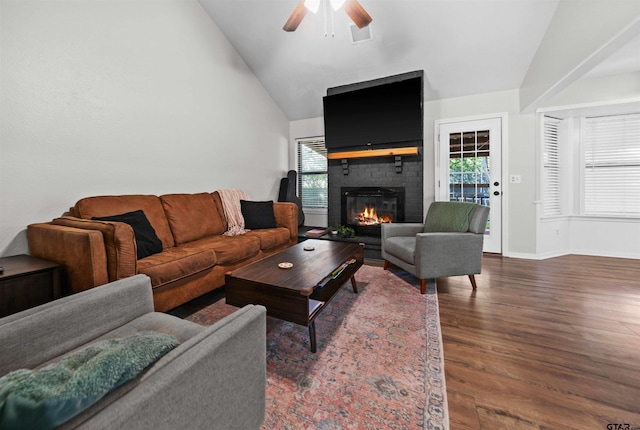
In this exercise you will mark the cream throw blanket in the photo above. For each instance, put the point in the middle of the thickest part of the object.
(231, 205)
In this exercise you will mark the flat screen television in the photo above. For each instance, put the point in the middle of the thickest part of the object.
(387, 113)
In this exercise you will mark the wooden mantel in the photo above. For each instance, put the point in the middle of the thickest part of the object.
(389, 152)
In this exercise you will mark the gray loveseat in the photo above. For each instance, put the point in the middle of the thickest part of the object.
(214, 379)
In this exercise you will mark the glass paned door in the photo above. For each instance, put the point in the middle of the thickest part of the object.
(469, 166)
(469, 170)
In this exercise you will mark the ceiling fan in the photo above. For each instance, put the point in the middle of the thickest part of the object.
(358, 15)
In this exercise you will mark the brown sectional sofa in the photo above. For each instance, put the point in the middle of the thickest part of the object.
(195, 254)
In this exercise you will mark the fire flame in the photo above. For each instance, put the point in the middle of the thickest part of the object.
(369, 217)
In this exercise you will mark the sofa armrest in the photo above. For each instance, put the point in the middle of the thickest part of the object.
(37, 335)
(448, 254)
(286, 214)
(119, 244)
(215, 380)
(81, 252)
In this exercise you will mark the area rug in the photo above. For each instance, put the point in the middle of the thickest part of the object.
(379, 361)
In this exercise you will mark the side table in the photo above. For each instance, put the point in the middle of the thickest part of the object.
(27, 282)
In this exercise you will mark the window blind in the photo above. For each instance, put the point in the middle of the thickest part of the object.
(612, 165)
(312, 173)
(551, 201)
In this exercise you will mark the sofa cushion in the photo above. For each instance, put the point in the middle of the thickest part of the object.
(47, 397)
(258, 214)
(147, 242)
(100, 206)
(174, 264)
(271, 237)
(402, 247)
(228, 249)
(192, 216)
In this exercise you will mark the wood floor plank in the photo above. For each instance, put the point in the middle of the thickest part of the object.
(533, 404)
(543, 344)
(554, 377)
(466, 412)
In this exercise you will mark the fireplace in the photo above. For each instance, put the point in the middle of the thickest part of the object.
(365, 209)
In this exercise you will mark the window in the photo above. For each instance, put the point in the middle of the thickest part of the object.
(611, 168)
(312, 173)
(469, 166)
(551, 202)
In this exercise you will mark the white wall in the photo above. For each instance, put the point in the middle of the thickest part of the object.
(519, 224)
(607, 89)
(609, 237)
(528, 234)
(123, 97)
(573, 233)
(580, 35)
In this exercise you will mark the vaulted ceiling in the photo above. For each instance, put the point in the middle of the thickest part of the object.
(464, 46)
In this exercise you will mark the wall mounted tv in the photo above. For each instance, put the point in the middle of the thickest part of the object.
(386, 112)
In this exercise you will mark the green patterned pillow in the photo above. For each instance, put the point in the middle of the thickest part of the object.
(47, 397)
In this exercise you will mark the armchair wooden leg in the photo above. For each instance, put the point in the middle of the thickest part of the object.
(423, 286)
(386, 265)
(472, 278)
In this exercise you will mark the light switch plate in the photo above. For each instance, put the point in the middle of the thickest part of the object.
(515, 179)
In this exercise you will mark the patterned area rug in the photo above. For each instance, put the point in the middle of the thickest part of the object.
(378, 365)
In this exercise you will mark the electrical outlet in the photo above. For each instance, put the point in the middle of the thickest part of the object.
(515, 179)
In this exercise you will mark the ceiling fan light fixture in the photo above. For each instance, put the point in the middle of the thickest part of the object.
(312, 5)
(337, 4)
(352, 8)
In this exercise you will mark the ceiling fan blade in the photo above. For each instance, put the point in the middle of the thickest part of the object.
(296, 17)
(358, 15)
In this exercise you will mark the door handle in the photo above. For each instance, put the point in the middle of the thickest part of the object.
(496, 183)
(496, 193)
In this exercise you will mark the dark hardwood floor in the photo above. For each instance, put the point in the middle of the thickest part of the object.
(551, 344)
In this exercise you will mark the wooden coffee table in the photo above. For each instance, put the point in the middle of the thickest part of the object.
(297, 294)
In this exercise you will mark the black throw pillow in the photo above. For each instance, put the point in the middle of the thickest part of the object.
(258, 214)
(147, 241)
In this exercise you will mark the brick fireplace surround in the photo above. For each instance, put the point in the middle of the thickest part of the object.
(377, 172)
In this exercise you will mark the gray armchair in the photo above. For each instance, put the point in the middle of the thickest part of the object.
(448, 243)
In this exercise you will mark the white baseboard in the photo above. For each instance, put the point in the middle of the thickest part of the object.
(606, 254)
(522, 255)
(544, 256)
